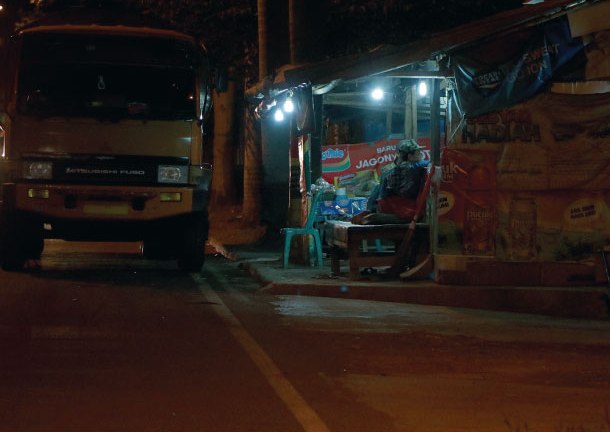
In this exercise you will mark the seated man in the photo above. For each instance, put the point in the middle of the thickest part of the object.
(394, 199)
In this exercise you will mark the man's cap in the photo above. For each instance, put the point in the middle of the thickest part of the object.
(408, 146)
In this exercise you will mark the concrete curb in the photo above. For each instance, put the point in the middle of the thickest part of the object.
(592, 302)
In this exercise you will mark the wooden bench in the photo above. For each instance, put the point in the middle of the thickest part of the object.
(346, 241)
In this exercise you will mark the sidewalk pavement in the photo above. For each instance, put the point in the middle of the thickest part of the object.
(264, 262)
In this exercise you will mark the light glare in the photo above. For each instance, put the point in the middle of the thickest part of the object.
(278, 115)
(422, 88)
(288, 105)
(377, 94)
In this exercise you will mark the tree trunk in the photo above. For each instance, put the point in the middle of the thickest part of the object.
(251, 210)
(223, 178)
(262, 38)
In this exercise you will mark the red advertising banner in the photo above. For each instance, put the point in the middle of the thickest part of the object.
(357, 167)
(467, 198)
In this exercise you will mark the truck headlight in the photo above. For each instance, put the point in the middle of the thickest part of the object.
(175, 174)
(38, 170)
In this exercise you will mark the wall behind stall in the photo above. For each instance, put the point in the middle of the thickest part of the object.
(533, 178)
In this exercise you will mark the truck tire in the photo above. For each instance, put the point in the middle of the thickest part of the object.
(157, 248)
(21, 238)
(191, 243)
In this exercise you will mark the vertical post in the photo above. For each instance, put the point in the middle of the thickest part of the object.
(388, 115)
(389, 111)
(435, 121)
(297, 42)
(408, 119)
(262, 38)
(317, 138)
(435, 156)
(410, 113)
(306, 200)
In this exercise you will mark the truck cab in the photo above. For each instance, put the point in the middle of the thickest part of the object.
(102, 130)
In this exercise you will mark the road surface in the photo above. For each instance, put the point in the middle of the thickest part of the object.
(103, 340)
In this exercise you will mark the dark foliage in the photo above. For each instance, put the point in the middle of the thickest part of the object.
(229, 27)
(358, 25)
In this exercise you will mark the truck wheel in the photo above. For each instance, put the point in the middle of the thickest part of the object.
(157, 248)
(21, 238)
(191, 246)
(34, 237)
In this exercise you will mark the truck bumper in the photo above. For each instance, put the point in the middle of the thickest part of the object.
(112, 203)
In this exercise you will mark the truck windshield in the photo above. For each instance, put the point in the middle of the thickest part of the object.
(107, 77)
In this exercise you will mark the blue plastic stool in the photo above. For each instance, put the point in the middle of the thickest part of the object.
(308, 229)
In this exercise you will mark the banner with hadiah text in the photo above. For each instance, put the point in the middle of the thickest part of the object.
(531, 182)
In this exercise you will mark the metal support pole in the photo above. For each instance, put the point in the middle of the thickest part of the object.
(435, 156)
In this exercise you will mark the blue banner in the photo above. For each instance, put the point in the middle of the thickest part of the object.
(548, 54)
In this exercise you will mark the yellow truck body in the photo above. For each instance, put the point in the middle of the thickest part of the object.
(103, 139)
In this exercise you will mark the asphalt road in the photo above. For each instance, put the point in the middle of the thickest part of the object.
(103, 340)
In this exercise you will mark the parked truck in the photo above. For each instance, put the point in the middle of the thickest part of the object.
(103, 139)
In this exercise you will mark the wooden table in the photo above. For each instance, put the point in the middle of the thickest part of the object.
(346, 241)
